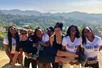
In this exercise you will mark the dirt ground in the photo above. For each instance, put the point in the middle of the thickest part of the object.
(4, 60)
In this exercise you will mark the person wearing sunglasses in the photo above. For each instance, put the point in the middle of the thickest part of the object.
(72, 41)
(11, 43)
(91, 44)
(41, 39)
(50, 49)
(26, 44)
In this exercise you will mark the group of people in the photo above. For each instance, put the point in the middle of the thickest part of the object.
(52, 48)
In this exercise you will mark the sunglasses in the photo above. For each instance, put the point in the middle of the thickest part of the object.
(87, 31)
(73, 30)
(13, 29)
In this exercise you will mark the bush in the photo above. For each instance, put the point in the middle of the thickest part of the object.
(2, 35)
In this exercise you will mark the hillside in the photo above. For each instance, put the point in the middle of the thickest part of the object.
(44, 20)
(35, 17)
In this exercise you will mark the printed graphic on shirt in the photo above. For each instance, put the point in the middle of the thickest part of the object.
(91, 49)
(71, 46)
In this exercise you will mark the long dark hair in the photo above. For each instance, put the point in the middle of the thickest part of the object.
(69, 31)
(10, 38)
(59, 24)
(36, 38)
(83, 35)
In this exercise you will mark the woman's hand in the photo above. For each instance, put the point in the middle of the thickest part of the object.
(14, 59)
(76, 56)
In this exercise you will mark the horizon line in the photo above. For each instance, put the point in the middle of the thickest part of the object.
(52, 12)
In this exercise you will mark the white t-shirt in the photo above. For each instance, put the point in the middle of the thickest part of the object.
(91, 49)
(6, 42)
(71, 46)
(45, 38)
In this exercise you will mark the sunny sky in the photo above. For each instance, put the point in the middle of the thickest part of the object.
(89, 6)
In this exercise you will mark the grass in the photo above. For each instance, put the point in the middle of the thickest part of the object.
(2, 35)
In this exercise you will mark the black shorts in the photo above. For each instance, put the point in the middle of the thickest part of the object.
(96, 65)
(47, 55)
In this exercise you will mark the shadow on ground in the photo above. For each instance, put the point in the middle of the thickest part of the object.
(9, 66)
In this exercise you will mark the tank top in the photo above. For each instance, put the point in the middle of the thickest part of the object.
(56, 45)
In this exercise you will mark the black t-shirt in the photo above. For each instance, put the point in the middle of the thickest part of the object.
(27, 46)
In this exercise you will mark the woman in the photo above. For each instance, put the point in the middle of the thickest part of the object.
(26, 44)
(50, 31)
(72, 40)
(11, 43)
(47, 54)
(56, 40)
(91, 44)
(41, 42)
(56, 47)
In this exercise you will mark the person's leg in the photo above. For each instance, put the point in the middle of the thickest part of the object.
(43, 65)
(20, 59)
(26, 62)
(12, 56)
(48, 65)
(66, 54)
(34, 63)
(40, 65)
(55, 65)
(14, 59)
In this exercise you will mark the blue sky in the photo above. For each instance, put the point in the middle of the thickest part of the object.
(89, 6)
